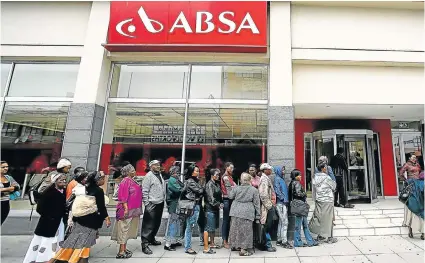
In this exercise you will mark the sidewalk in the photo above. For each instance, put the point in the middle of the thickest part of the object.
(375, 249)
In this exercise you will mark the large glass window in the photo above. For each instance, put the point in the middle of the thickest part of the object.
(5, 70)
(151, 81)
(32, 136)
(44, 80)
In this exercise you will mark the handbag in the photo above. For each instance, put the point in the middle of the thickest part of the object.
(185, 207)
(259, 236)
(405, 193)
(299, 208)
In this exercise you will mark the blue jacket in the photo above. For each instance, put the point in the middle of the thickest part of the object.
(280, 186)
(330, 172)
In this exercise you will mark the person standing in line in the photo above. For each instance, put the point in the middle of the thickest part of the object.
(252, 170)
(51, 208)
(322, 221)
(281, 191)
(153, 188)
(63, 167)
(340, 169)
(173, 235)
(8, 187)
(329, 171)
(266, 195)
(214, 202)
(193, 192)
(245, 209)
(296, 192)
(227, 184)
(129, 209)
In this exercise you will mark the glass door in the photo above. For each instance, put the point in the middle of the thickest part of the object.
(357, 180)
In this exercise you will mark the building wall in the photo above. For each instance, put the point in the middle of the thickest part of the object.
(357, 28)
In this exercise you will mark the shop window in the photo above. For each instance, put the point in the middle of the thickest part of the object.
(5, 70)
(44, 80)
(32, 135)
(229, 82)
(150, 81)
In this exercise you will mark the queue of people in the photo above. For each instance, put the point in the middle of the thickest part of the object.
(72, 208)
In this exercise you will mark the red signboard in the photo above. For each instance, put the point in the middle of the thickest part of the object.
(188, 26)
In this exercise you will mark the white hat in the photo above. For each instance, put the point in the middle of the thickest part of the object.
(63, 163)
(265, 166)
(153, 162)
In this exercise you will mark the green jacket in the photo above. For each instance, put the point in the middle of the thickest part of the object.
(174, 189)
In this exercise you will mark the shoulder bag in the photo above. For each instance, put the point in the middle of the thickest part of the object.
(298, 207)
(405, 193)
(185, 207)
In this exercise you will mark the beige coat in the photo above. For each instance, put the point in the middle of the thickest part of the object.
(266, 193)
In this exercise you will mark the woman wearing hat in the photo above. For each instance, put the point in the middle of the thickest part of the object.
(153, 188)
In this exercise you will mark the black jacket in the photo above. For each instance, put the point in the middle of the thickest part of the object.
(192, 190)
(213, 196)
(94, 220)
(51, 208)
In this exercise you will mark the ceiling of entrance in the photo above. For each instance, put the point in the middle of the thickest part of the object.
(358, 111)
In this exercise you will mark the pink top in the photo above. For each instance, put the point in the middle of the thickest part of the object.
(255, 181)
(129, 192)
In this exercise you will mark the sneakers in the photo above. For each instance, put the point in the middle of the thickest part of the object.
(271, 249)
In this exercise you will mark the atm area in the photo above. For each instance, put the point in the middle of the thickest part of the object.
(360, 147)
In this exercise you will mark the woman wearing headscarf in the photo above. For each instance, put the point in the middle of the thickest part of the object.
(213, 203)
(296, 192)
(193, 192)
(51, 207)
(173, 235)
(129, 209)
(73, 183)
(89, 213)
(322, 221)
(245, 209)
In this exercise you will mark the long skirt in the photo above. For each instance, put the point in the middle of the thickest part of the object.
(42, 249)
(125, 229)
(151, 222)
(76, 248)
(413, 221)
(321, 222)
(241, 234)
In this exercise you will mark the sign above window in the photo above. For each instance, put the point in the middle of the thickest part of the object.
(238, 27)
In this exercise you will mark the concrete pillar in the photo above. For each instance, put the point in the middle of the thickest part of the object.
(281, 149)
(85, 119)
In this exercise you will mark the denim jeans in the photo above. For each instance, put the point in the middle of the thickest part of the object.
(282, 230)
(190, 223)
(302, 221)
(268, 240)
(174, 229)
(225, 228)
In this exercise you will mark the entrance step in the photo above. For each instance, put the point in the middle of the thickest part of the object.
(384, 218)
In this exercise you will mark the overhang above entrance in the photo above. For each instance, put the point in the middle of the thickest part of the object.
(232, 27)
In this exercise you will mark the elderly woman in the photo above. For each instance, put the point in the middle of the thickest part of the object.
(89, 213)
(322, 221)
(173, 235)
(129, 209)
(245, 209)
(329, 171)
(51, 208)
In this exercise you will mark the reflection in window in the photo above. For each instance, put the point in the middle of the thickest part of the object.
(5, 70)
(32, 135)
(44, 80)
(229, 82)
(154, 82)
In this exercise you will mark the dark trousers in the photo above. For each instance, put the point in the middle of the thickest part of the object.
(201, 223)
(151, 222)
(225, 228)
(5, 209)
(339, 191)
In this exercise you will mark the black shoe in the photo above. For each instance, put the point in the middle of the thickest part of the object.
(320, 239)
(278, 243)
(178, 244)
(146, 250)
(271, 249)
(170, 248)
(155, 243)
(287, 245)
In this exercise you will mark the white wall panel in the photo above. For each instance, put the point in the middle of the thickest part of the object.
(357, 84)
(44, 23)
(357, 28)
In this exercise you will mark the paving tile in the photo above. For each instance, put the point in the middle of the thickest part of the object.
(12, 259)
(342, 247)
(355, 221)
(351, 259)
(383, 231)
(375, 216)
(282, 260)
(392, 211)
(382, 224)
(371, 212)
(174, 260)
(322, 259)
(361, 232)
(347, 212)
(357, 225)
(220, 253)
(416, 241)
(386, 258)
(135, 260)
(370, 245)
(246, 260)
(208, 260)
(379, 221)
(417, 257)
(341, 232)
